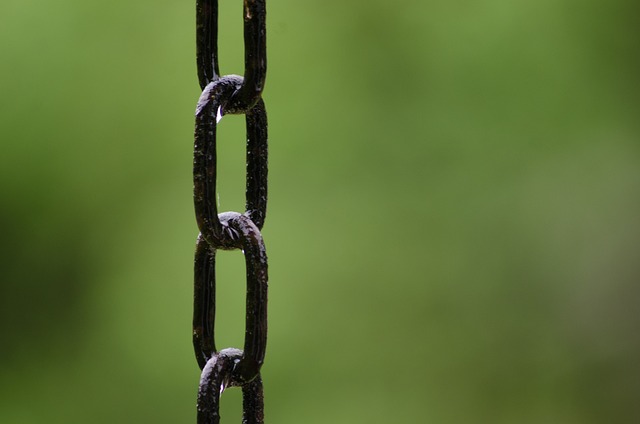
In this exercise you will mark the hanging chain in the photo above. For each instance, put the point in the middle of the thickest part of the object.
(230, 94)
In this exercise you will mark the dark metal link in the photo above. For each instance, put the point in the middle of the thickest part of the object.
(222, 95)
(249, 239)
(205, 162)
(255, 50)
(217, 375)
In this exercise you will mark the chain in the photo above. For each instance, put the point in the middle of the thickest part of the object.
(223, 95)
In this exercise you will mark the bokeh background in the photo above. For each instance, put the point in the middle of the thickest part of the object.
(453, 224)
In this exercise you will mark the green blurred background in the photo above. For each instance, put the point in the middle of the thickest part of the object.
(453, 224)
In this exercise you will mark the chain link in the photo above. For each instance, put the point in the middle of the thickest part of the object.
(222, 95)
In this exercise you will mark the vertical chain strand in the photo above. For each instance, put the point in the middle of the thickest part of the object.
(257, 150)
(222, 95)
(204, 305)
(207, 41)
(255, 54)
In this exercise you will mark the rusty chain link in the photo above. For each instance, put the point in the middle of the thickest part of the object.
(230, 94)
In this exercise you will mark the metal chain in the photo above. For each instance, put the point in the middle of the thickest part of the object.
(230, 94)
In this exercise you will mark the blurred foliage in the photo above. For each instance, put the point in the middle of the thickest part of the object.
(453, 221)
